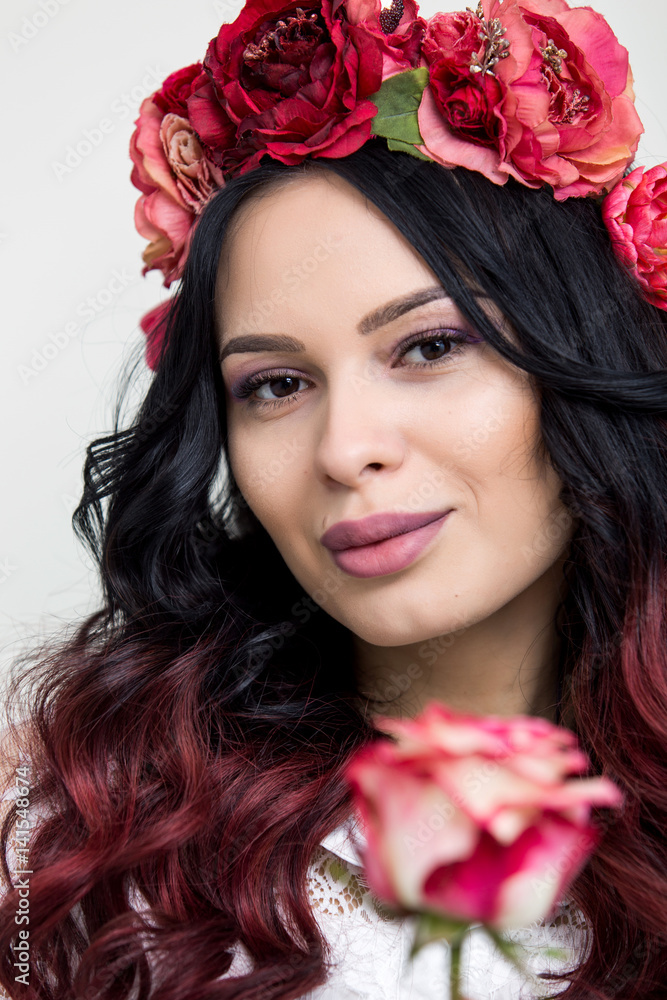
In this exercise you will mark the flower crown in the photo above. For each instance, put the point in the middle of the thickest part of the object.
(529, 89)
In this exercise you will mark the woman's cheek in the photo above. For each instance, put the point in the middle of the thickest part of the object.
(259, 474)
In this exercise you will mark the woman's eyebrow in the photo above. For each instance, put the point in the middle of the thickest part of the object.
(372, 321)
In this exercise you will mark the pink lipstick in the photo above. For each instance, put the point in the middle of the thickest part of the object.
(382, 543)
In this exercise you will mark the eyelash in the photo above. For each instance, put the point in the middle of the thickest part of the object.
(458, 338)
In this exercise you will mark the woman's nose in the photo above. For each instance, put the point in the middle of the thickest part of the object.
(360, 427)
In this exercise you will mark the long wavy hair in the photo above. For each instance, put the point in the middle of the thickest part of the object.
(187, 741)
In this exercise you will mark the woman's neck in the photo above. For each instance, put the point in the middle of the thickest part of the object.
(506, 664)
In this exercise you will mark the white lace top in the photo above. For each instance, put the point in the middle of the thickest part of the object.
(370, 947)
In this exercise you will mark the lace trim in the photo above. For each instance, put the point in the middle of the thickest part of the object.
(345, 878)
(336, 890)
(371, 943)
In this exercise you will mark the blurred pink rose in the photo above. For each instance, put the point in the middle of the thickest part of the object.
(153, 324)
(173, 173)
(556, 107)
(635, 214)
(477, 818)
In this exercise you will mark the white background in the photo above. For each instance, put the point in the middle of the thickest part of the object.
(65, 234)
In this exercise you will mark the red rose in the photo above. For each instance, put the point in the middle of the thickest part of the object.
(467, 105)
(160, 215)
(635, 214)
(294, 82)
(478, 68)
(174, 93)
(197, 178)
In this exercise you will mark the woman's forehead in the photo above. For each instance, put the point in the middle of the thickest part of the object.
(291, 210)
(316, 236)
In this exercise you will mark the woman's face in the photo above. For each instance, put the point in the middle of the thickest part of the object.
(368, 422)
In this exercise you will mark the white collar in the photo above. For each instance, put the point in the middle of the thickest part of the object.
(346, 841)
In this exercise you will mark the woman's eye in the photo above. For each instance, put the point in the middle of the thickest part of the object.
(431, 349)
(285, 383)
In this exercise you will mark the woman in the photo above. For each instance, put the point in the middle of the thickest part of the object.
(456, 356)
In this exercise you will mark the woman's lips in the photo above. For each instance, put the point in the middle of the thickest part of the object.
(390, 555)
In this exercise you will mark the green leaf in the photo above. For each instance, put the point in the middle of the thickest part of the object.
(338, 871)
(406, 147)
(397, 102)
(559, 953)
(434, 927)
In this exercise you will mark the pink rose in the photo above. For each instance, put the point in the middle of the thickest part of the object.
(635, 214)
(555, 102)
(295, 82)
(592, 126)
(476, 818)
(197, 178)
(173, 173)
